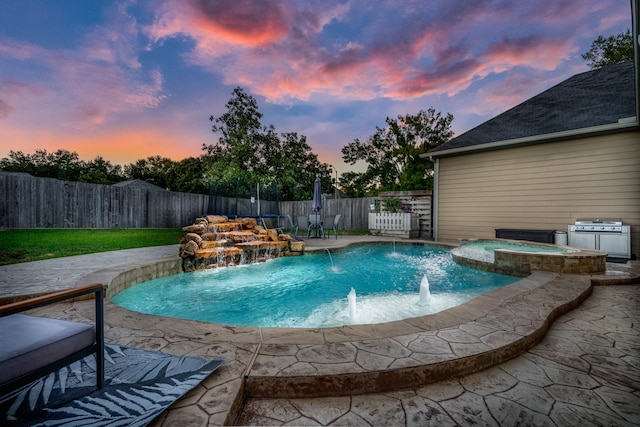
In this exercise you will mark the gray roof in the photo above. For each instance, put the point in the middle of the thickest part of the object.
(593, 98)
(138, 184)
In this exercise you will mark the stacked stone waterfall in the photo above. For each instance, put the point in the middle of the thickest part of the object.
(216, 241)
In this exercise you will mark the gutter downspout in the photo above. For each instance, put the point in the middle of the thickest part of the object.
(434, 207)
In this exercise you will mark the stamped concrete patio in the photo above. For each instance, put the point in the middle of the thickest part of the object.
(506, 370)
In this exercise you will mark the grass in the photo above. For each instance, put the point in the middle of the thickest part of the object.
(37, 244)
(353, 232)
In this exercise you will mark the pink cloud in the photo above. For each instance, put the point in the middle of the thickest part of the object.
(279, 47)
(83, 90)
(455, 69)
(557, 14)
(95, 78)
(20, 51)
(501, 95)
(5, 109)
(281, 56)
(114, 43)
(95, 91)
(612, 19)
(541, 53)
(16, 92)
(220, 26)
(241, 21)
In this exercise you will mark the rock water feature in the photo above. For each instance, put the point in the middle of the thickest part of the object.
(216, 241)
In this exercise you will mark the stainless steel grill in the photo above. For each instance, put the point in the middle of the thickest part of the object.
(606, 235)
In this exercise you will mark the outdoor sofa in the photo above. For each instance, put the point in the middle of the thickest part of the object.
(32, 347)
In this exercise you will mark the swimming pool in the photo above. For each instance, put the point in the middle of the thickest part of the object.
(311, 290)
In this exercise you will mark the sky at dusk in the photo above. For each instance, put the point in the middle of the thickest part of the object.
(126, 80)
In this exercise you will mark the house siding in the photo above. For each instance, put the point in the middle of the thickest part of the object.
(543, 186)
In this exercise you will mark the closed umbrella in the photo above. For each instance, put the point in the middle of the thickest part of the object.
(317, 196)
(316, 205)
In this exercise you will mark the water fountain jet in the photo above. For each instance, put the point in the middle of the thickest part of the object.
(351, 298)
(330, 257)
(425, 291)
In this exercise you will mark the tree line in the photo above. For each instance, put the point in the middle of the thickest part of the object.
(67, 166)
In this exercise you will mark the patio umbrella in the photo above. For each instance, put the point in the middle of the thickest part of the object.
(317, 196)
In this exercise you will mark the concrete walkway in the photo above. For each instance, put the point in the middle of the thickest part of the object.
(585, 369)
(40, 277)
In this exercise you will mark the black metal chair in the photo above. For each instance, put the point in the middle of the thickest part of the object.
(57, 344)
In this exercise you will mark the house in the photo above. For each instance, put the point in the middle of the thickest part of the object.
(571, 152)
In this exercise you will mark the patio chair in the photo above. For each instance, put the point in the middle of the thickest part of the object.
(302, 223)
(327, 223)
(331, 222)
(315, 223)
(267, 223)
(32, 347)
(290, 225)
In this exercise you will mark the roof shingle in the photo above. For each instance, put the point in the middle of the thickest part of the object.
(588, 99)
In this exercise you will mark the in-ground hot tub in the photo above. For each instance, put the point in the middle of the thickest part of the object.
(516, 257)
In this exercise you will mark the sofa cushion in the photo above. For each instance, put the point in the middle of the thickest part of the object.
(28, 343)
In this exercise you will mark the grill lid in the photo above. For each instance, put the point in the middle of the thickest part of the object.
(614, 222)
(601, 225)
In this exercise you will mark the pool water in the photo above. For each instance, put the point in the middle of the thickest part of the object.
(311, 290)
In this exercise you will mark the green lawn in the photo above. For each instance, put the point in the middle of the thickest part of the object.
(31, 245)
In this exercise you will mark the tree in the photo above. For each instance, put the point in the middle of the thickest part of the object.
(248, 153)
(187, 175)
(241, 132)
(611, 50)
(238, 157)
(153, 169)
(19, 162)
(392, 154)
(297, 167)
(354, 184)
(64, 165)
(101, 171)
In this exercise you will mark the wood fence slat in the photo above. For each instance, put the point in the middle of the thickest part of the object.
(32, 202)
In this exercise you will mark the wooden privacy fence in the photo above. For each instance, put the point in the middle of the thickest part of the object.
(31, 202)
(230, 206)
